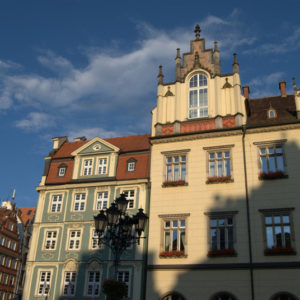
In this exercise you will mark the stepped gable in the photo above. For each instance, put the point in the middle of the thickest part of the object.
(284, 108)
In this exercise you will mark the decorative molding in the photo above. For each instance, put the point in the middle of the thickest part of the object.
(184, 215)
(76, 217)
(48, 256)
(218, 147)
(266, 143)
(267, 211)
(174, 152)
(222, 213)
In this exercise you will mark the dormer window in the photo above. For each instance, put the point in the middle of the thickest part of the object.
(272, 113)
(87, 169)
(62, 170)
(131, 165)
(198, 96)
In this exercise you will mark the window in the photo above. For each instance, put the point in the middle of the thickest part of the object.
(174, 235)
(102, 200)
(14, 265)
(102, 166)
(219, 164)
(278, 231)
(50, 241)
(129, 194)
(221, 233)
(79, 203)
(95, 239)
(271, 159)
(2, 259)
(272, 114)
(69, 283)
(11, 226)
(7, 243)
(62, 170)
(198, 96)
(56, 203)
(74, 239)
(87, 167)
(8, 262)
(2, 240)
(44, 283)
(284, 296)
(124, 277)
(93, 287)
(176, 168)
(13, 245)
(131, 166)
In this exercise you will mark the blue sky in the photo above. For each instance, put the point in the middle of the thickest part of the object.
(89, 67)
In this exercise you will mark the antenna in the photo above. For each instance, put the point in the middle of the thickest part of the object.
(13, 195)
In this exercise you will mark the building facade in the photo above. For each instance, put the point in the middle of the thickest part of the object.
(80, 178)
(9, 250)
(225, 210)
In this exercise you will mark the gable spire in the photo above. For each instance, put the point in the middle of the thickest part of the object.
(197, 31)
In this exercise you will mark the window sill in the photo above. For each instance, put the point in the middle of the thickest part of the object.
(222, 253)
(172, 254)
(214, 180)
(280, 251)
(272, 176)
(174, 183)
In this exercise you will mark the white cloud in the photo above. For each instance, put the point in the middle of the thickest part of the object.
(93, 132)
(266, 85)
(36, 121)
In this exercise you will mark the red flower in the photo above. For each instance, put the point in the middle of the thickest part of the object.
(217, 179)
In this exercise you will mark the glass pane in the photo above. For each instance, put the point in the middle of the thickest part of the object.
(214, 239)
(175, 224)
(202, 80)
(212, 172)
(176, 172)
(278, 149)
(227, 167)
(272, 167)
(280, 164)
(269, 236)
(193, 81)
(230, 238)
(183, 158)
(264, 165)
(182, 240)
(213, 222)
(169, 173)
(268, 220)
(262, 150)
(174, 240)
(211, 155)
(285, 219)
(287, 236)
(219, 155)
(277, 220)
(193, 99)
(176, 159)
(221, 222)
(229, 221)
(220, 168)
(278, 236)
(182, 223)
(222, 238)
(271, 150)
(167, 241)
(227, 154)
(183, 171)
(193, 113)
(169, 160)
(167, 224)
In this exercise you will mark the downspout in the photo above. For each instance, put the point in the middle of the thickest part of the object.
(248, 215)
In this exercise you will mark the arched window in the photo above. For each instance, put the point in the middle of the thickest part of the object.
(223, 296)
(271, 113)
(173, 296)
(198, 97)
(283, 296)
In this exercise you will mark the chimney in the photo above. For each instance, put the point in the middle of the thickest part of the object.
(282, 87)
(246, 91)
(58, 141)
(81, 138)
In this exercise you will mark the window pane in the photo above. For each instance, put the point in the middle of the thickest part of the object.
(227, 167)
(182, 223)
(262, 150)
(277, 220)
(287, 236)
(268, 220)
(222, 238)
(271, 150)
(214, 239)
(269, 237)
(182, 240)
(272, 167)
(213, 222)
(285, 219)
(230, 238)
(193, 81)
(175, 240)
(264, 165)
(278, 236)
(176, 172)
(212, 169)
(175, 224)
(193, 99)
(220, 168)
(280, 164)
(183, 171)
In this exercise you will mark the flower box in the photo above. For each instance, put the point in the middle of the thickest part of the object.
(174, 183)
(220, 179)
(272, 175)
(279, 251)
(173, 253)
(221, 252)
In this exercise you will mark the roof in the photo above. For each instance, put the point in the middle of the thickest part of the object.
(26, 214)
(125, 144)
(284, 107)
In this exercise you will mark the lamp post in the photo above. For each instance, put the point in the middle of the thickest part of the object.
(115, 228)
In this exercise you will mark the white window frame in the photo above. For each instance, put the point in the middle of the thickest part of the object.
(56, 203)
(131, 197)
(87, 167)
(122, 277)
(220, 160)
(79, 201)
(94, 240)
(102, 165)
(62, 171)
(94, 284)
(169, 226)
(50, 240)
(74, 239)
(102, 200)
(200, 110)
(69, 285)
(44, 283)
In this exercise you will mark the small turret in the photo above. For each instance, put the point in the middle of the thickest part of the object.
(235, 65)
(197, 32)
(160, 77)
(178, 65)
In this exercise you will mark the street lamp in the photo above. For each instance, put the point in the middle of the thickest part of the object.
(115, 228)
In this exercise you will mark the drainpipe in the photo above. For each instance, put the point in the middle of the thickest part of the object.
(248, 214)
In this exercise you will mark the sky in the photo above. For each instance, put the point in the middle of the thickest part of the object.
(89, 67)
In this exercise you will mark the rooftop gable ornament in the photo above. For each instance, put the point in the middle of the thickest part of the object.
(197, 32)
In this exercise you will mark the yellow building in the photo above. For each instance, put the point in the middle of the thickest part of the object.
(225, 208)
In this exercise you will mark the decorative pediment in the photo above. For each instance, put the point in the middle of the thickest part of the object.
(95, 146)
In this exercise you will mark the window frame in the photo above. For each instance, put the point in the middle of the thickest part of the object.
(66, 283)
(79, 201)
(198, 90)
(51, 239)
(106, 158)
(121, 270)
(92, 283)
(74, 239)
(94, 239)
(278, 212)
(61, 167)
(40, 285)
(226, 251)
(97, 192)
(132, 199)
(58, 203)
(87, 170)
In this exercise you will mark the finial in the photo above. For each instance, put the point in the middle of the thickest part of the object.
(178, 53)
(160, 76)
(216, 46)
(197, 31)
(235, 58)
(197, 61)
(294, 84)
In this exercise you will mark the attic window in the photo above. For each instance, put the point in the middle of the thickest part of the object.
(62, 170)
(131, 165)
(272, 113)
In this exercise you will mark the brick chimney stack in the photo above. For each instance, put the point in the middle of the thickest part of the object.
(282, 87)
(246, 91)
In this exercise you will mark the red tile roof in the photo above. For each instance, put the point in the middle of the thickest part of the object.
(26, 213)
(53, 172)
(125, 144)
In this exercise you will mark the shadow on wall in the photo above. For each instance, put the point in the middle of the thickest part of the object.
(225, 271)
